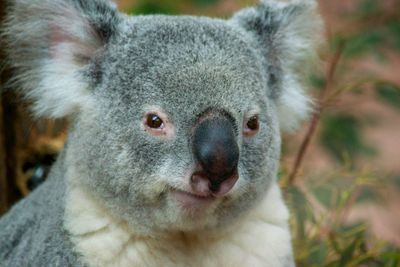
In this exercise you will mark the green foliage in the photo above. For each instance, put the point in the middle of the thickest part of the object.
(145, 7)
(396, 181)
(319, 207)
(394, 32)
(317, 81)
(341, 136)
(388, 93)
(154, 7)
(373, 37)
(320, 235)
(363, 42)
(205, 2)
(324, 194)
(368, 194)
(367, 8)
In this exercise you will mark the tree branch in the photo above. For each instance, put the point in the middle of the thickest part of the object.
(317, 114)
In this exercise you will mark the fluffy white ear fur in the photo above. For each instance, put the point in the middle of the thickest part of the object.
(300, 37)
(293, 106)
(49, 43)
(289, 33)
(61, 91)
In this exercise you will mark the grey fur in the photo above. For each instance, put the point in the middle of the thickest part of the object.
(183, 65)
(287, 36)
(32, 233)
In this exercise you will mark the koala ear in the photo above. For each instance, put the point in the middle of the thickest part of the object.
(287, 33)
(49, 43)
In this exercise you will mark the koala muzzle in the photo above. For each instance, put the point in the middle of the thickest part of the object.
(217, 153)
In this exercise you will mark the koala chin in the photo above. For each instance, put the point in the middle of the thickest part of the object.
(175, 133)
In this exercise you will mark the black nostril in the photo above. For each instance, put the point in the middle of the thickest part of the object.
(215, 148)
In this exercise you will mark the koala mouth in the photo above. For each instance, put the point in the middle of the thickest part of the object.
(191, 201)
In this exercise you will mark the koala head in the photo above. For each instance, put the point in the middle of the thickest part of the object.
(175, 120)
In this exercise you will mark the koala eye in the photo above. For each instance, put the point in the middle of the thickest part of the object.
(155, 122)
(252, 125)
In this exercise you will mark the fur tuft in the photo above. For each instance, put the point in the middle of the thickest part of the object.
(288, 32)
(50, 43)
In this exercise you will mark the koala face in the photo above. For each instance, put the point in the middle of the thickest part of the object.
(185, 135)
(175, 120)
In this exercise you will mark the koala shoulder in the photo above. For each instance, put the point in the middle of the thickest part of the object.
(32, 231)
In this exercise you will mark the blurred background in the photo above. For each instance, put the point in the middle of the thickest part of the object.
(340, 173)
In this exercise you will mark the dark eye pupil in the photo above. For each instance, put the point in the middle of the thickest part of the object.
(153, 121)
(252, 123)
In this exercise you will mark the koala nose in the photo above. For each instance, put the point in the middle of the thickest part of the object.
(217, 152)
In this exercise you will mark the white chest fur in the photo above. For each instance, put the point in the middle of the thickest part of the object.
(260, 239)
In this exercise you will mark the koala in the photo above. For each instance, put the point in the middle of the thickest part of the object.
(175, 133)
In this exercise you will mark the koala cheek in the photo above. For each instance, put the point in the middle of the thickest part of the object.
(165, 175)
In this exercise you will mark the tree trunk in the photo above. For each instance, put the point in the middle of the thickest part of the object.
(9, 192)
